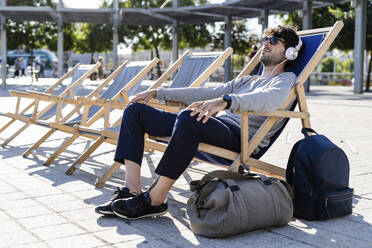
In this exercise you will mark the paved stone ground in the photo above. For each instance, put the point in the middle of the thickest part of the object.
(42, 207)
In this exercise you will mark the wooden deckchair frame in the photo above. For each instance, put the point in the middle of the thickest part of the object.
(49, 90)
(87, 103)
(35, 104)
(111, 137)
(247, 148)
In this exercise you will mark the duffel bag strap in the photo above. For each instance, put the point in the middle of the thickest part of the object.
(288, 188)
(223, 174)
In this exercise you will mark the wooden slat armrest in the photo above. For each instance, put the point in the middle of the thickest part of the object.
(203, 147)
(279, 113)
(33, 95)
(164, 106)
(181, 105)
(89, 130)
(43, 96)
(19, 93)
(110, 134)
(166, 139)
(103, 102)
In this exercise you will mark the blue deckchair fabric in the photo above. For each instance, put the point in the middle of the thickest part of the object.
(191, 68)
(311, 44)
(124, 77)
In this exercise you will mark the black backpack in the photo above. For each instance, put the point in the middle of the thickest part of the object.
(318, 172)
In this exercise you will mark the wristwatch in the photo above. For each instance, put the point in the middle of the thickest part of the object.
(228, 99)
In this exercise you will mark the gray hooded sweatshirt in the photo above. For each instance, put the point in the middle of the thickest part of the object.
(250, 93)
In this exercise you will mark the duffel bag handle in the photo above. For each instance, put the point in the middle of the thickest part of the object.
(222, 174)
(305, 131)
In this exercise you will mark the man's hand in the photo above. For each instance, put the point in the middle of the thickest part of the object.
(206, 109)
(144, 97)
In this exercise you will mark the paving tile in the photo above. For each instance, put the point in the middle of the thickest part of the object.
(77, 241)
(100, 223)
(123, 232)
(57, 231)
(32, 245)
(6, 188)
(9, 226)
(42, 221)
(16, 238)
(13, 196)
(68, 205)
(43, 191)
(16, 204)
(28, 212)
(3, 215)
(80, 214)
(58, 198)
(143, 242)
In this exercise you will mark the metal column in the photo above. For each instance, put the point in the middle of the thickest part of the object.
(359, 43)
(3, 47)
(175, 38)
(227, 43)
(116, 33)
(264, 19)
(307, 24)
(60, 40)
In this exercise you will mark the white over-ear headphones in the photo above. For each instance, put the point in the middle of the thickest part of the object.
(291, 53)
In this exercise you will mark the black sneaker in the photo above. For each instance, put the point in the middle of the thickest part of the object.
(119, 193)
(138, 207)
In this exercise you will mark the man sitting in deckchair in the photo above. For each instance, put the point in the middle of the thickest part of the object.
(196, 124)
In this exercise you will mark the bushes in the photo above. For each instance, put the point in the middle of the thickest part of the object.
(347, 66)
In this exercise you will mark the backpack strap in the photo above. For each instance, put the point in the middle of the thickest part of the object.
(305, 131)
(290, 165)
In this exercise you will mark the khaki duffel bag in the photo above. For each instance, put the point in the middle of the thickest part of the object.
(226, 203)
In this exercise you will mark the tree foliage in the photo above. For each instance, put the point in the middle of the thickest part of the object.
(241, 39)
(94, 38)
(327, 16)
(34, 35)
(154, 37)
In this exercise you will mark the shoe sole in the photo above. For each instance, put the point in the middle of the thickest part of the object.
(105, 213)
(141, 217)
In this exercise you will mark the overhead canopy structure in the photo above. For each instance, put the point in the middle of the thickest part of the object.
(97, 16)
(20, 14)
(136, 16)
(279, 5)
(226, 12)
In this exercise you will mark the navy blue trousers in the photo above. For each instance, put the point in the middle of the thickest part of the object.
(185, 132)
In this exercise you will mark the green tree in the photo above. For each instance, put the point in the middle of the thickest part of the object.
(94, 38)
(36, 35)
(156, 37)
(327, 64)
(241, 41)
(327, 16)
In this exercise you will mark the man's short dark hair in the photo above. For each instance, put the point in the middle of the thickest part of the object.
(288, 34)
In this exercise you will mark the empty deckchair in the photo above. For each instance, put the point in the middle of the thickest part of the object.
(194, 70)
(79, 74)
(316, 42)
(126, 79)
(55, 89)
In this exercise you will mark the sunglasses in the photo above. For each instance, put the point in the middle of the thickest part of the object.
(273, 40)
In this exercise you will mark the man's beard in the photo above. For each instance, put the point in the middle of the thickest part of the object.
(268, 60)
